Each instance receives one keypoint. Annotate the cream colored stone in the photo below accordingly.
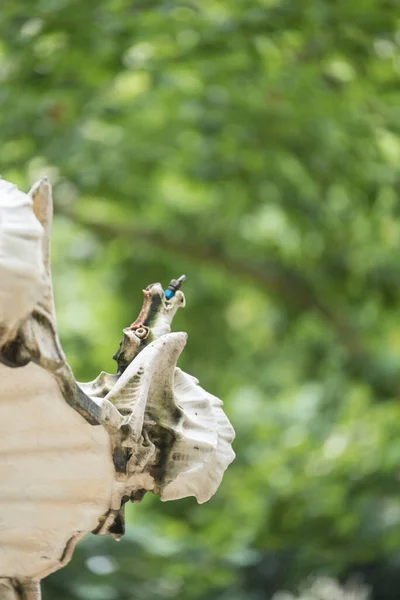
(72, 454)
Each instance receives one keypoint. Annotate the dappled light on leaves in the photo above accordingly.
(253, 145)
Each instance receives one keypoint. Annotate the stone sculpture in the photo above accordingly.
(72, 454)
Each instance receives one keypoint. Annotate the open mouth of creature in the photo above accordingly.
(154, 320)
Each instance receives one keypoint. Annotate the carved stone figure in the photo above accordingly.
(72, 454)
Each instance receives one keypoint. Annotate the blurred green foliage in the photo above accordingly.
(255, 146)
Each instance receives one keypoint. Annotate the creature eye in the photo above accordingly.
(142, 332)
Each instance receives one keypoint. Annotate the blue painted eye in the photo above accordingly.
(169, 294)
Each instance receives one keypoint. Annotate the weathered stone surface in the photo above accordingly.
(71, 455)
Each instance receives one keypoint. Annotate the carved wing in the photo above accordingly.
(203, 448)
(190, 435)
(21, 266)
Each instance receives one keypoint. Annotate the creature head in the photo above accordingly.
(154, 320)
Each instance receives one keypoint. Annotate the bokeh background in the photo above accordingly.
(253, 145)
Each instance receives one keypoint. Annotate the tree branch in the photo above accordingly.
(272, 277)
(290, 286)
